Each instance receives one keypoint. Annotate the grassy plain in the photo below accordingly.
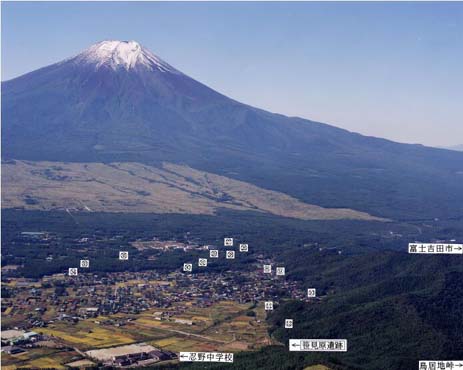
(135, 187)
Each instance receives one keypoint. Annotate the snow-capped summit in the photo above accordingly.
(122, 54)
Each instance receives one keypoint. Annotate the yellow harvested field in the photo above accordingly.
(9, 367)
(223, 326)
(240, 324)
(179, 344)
(8, 311)
(130, 283)
(160, 282)
(98, 337)
(167, 341)
(149, 322)
(44, 363)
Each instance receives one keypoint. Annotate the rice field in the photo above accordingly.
(221, 327)
(45, 363)
(87, 335)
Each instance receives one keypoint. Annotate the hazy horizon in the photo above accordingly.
(387, 70)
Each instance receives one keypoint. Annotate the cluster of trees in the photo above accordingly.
(393, 308)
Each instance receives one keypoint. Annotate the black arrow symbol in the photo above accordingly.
(296, 345)
(183, 356)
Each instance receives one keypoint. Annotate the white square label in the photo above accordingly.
(280, 271)
(318, 345)
(288, 323)
(124, 256)
(187, 267)
(311, 292)
(202, 262)
(268, 306)
(72, 271)
(244, 247)
(267, 269)
(230, 255)
(228, 242)
(214, 253)
(84, 263)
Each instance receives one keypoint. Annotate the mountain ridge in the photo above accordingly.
(71, 112)
(458, 148)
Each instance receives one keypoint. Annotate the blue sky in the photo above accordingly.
(392, 70)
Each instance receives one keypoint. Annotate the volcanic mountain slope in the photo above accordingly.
(456, 147)
(135, 187)
(118, 102)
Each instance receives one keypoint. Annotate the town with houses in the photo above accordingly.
(155, 315)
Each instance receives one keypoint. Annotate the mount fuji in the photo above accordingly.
(117, 102)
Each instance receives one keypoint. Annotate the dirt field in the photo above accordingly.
(107, 353)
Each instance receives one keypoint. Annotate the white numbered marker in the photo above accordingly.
(202, 262)
(214, 253)
(280, 271)
(288, 323)
(187, 267)
(311, 292)
(124, 256)
(268, 306)
(267, 269)
(72, 271)
(230, 255)
(244, 247)
(84, 264)
(228, 242)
